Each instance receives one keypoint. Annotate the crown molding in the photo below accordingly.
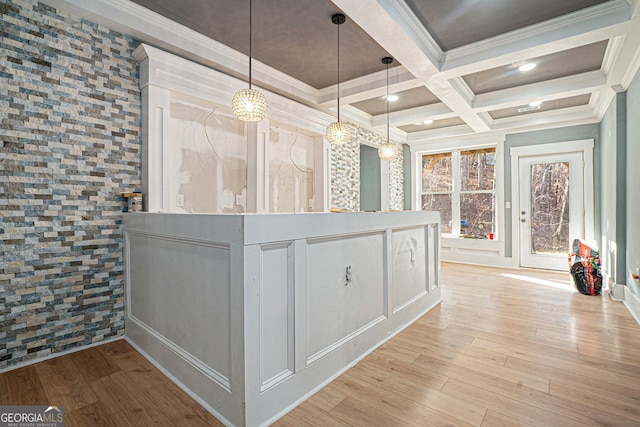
(411, 25)
(565, 116)
(428, 135)
(370, 86)
(562, 87)
(174, 73)
(458, 141)
(132, 19)
(518, 44)
(409, 116)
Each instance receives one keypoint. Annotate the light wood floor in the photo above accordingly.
(505, 348)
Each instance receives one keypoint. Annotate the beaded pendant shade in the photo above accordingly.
(338, 133)
(249, 105)
(388, 150)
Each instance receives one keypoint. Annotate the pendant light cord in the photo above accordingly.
(338, 71)
(250, 38)
(388, 121)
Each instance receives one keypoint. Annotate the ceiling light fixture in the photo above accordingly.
(391, 98)
(338, 133)
(535, 104)
(527, 66)
(249, 105)
(388, 150)
(427, 122)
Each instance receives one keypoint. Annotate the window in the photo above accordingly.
(461, 185)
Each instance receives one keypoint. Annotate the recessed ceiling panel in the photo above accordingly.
(437, 124)
(455, 23)
(560, 64)
(556, 104)
(411, 98)
(296, 37)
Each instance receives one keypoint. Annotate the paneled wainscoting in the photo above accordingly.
(506, 347)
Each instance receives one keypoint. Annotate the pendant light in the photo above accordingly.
(388, 150)
(338, 133)
(249, 105)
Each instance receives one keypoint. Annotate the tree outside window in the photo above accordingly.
(460, 184)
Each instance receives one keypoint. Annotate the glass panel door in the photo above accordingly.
(551, 209)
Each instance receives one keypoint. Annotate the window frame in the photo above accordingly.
(456, 190)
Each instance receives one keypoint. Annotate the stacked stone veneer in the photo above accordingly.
(69, 145)
(345, 172)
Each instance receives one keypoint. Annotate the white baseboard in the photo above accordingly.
(616, 292)
(632, 302)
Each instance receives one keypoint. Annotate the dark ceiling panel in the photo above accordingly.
(296, 37)
(411, 98)
(556, 104)
(553, 66)
(455, 23)
(437, 124)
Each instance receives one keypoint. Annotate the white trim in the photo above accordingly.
(400, 12)
(369, 86)
(150, 27)
(632, 302)
(548, 90)
(538, 39)
(585, 146)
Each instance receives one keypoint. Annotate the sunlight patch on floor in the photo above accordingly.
(565, 286)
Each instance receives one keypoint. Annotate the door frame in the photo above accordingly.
(576, 209)
(584, 147)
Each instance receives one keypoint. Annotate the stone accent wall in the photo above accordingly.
(345, 172)
(69, 145)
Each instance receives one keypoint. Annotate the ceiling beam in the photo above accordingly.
(392, 25)
(410, 116)
(579, 28)
(563, 87)
(368, 87)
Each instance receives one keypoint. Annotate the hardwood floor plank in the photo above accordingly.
(558, 361)
(93, 364)
(159, 389)
(424, 396)
(489, 356)
(117, 391)
(495, 419)
(399, 353)
(22, 387)
(518, 410)
(64, 384)
(630, 394)
(366, 414)
(94, 414)
(327, 398)
(461, 369)
(309, 415)
(581, 396)
(115, 348)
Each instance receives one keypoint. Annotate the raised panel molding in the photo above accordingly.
(277, 303)
(208, 302)
(340, 309)
(410, 257)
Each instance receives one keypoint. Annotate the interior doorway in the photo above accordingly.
(370, 179)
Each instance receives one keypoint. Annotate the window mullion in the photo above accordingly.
(455, 198)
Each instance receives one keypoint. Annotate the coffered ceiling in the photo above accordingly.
(456, 68)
